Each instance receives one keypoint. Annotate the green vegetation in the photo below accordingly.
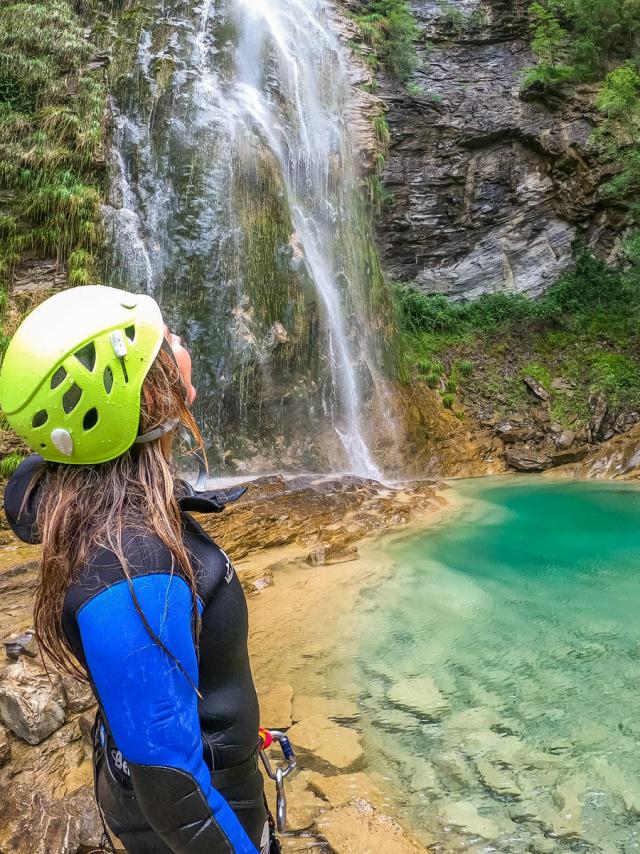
(9, 464)
(578, 40)
(52, 169)
(585, 332)
(596, 40)
(389, 29)
(378, 194)
(51, 131)
(459, 21)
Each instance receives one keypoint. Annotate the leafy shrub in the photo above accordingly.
(448, 400)
(50, 141)
(389, 27)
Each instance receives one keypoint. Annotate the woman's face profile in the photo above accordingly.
(183, 360)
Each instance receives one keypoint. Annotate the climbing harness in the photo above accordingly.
(281, 772)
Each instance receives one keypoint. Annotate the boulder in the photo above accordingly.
(32, 704)
(565, 440)
(525, 460)
(79, 694)
(537, 388)
(21, 644)
(512, 435)
(571, 456)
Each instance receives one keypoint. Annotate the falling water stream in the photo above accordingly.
(236, 203)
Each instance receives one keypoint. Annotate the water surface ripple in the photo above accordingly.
(498, 671)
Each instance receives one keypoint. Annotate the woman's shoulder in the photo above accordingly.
(138, 554)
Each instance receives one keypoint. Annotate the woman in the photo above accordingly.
(133, 594)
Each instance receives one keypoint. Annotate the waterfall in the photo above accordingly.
(236, 203)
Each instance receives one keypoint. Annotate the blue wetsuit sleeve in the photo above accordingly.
(152, 711)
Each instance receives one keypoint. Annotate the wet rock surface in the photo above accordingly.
(617, 459)
(33, 822)
(355, 827)
(489, 188)
(323, 515)
(32, 704)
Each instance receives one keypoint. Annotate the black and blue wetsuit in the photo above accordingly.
(179, 773)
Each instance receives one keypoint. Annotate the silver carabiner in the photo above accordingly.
(280, 774)
(281, 802)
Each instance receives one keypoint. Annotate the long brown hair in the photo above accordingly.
(83, 508)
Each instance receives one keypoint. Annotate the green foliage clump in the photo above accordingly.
(618, 135)
(578, 40)
(390, 30)
(9, 463)
(457, 20)
(448, 400)
(51, 131)
(586, 329)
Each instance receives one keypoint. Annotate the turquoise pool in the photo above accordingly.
(498, 670)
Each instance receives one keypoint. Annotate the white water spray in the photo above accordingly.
(280, 91)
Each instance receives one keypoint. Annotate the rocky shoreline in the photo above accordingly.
(300, 530)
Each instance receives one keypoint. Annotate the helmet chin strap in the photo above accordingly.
(154, 434)
(203, 471)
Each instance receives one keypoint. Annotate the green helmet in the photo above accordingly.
(72, 375)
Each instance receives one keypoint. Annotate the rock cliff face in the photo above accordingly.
(490, 189)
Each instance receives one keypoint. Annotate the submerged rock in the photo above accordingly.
(357, 828)
(337, 745)
(464, 815)
(568, 822)
(497, 780)
(275, 704)
(623, 785)
(421, 695)
(306, 705)
(340, 789)
(424, 778)
(32, 704)
(303, 804)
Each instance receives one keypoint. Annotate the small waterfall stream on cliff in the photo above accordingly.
(236, 203)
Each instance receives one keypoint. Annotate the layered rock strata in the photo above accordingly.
(489, 188)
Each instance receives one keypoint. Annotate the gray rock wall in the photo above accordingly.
(489, 190)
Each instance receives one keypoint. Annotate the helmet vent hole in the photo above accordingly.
(90, 419)
(59, 377)
(87, 356)
(107, 379)
(71, 398)
(130, 332)
(40, 418)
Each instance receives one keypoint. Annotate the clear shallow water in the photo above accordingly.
(524, 611)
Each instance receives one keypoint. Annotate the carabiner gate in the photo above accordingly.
(267, 737)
